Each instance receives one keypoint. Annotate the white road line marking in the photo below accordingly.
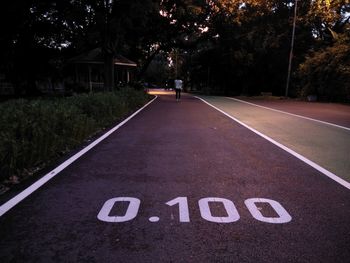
(35, 186)
(292, 114)
(297, 155)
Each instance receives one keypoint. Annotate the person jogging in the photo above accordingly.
(178, 88)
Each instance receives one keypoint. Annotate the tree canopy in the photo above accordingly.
(226, 47)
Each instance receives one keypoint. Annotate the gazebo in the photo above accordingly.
(88, 69)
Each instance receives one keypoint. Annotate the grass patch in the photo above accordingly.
(36, 132)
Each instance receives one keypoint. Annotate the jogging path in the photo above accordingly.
(317, 134)
(182, 182)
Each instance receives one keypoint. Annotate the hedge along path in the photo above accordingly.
(34, 132)
(21, 196)
(325, 145)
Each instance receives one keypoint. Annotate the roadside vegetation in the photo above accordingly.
(222, 47)
(36, 132)
(326, 73)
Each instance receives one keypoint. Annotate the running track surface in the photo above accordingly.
(324, 143)
(181, 149)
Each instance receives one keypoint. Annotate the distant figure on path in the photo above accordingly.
(178, 88)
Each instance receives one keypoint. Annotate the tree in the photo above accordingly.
(158, 71)
(327, 18)
(126, 25)
(175, 24)
(25, 43)
(250, 40)
(230, 46)
(326, 72)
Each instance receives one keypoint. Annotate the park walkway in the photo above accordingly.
(181, 182)
(321, 142)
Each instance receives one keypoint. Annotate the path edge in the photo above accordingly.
(285, 148)
(36, 185)
(289, 113)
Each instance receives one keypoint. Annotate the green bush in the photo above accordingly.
(34, 132)
(327, 73)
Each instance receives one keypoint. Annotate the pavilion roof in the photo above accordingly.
(95, 56)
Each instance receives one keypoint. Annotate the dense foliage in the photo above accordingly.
(326, 73)
(218, 46)
(33, 132)
(248, 47)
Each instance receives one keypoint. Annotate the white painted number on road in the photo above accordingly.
(130, 213)
(232, 213)
(283, 216)
(231, 216)
(184, 213)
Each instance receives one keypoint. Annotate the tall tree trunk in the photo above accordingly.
(109, 71)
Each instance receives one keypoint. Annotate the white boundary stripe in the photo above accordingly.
(25, 193)
(292, 114)
(297, 155)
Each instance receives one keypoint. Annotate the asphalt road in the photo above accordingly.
(181, 182)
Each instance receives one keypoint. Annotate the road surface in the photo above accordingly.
(181, 182)
(310, 134)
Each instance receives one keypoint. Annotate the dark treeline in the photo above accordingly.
(227, 47)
